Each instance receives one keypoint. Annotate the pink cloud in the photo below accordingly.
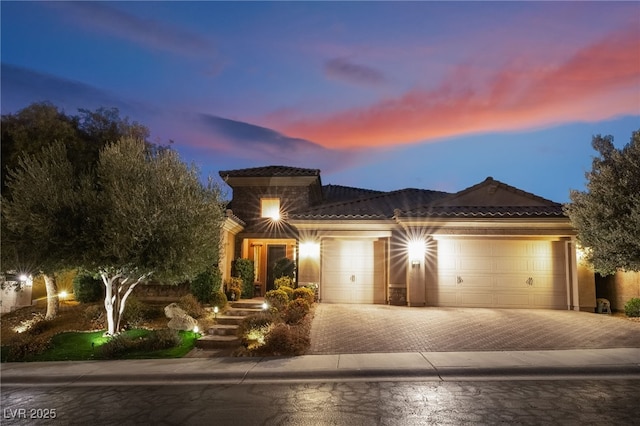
(598, 82)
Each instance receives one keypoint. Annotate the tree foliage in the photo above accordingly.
(43, 220)
(607, 215)
(33, 142)
(151, 216)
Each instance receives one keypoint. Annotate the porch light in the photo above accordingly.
(309, 249)
(416, 250)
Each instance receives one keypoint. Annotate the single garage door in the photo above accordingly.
(500, 274)
(350, 273)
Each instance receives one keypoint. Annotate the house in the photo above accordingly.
(490, 245)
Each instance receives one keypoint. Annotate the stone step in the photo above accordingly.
(247, 303)
(214, 342)
(223, 330)
(229, 320)
(242, 312)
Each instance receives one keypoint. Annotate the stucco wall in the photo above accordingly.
(618, 288)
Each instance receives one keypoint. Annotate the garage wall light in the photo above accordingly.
(309, 249)
(416, 250)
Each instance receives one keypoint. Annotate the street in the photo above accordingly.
(316, 403)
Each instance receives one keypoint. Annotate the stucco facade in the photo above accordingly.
(489, 245)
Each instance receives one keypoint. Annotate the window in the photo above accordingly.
(270, 208)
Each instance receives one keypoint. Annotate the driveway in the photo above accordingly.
(340, 329)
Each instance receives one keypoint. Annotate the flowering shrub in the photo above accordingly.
(304, 293)
(287, 290)
(277, 299)
(296, 311)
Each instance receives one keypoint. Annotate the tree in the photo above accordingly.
(607, 215)
(37, 127)
(43, 219)
(150, 216)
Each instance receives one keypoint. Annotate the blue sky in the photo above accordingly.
(383, 95)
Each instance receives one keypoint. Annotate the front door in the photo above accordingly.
(274, 254)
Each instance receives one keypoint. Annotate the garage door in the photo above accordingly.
(349, 272)
(500, 274)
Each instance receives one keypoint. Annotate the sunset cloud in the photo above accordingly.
(598, 82)
(343, 69)
(98, 16)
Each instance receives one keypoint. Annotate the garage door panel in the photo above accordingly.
(499, 273)
(513, 300)
(475, 299)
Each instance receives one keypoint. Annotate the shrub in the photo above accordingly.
(135, 312)
(87, 289)
(161, 339)
(287, 290)
(233, 288)
(277, 299)
(282, 282)
(95, 315)
(191, 306)
(632, 307)
(285, 340)
(115, 347)
(219, 299)
(244, 270)
(206, 284)
(254, 328)
(25, 345)
(304, 293)
(296, 311)
(284, 268)
(39, 326)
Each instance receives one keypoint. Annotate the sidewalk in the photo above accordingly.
(423, 366)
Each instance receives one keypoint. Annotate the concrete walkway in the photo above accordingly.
(430, 366)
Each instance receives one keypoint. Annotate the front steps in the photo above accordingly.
(225, 333)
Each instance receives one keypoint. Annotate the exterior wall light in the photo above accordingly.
(416, 250)
(309, 249)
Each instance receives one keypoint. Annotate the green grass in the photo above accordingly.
(81, 346)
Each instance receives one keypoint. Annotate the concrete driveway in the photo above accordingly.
(343, 329)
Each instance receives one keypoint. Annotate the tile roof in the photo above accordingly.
(377, 206)
(490, 198)
(270, 171)
(485, 211)
(335, 193)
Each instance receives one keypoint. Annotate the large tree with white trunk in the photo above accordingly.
(28, 139)
(43, 219)
(150, 217)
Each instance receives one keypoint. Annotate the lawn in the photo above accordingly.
(72, 336)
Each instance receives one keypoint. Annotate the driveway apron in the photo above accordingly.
(342, 328)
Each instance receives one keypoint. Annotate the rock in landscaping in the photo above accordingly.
(179, 319)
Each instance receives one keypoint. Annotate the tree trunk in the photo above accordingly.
(108, 303)
(53, 303)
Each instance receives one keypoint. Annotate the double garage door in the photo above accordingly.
(499, 274)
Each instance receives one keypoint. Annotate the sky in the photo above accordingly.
(377, 95)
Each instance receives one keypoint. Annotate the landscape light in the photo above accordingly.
(265, 306)
(215, 312)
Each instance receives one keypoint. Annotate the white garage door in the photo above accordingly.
(348, 272)
(500, 274)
